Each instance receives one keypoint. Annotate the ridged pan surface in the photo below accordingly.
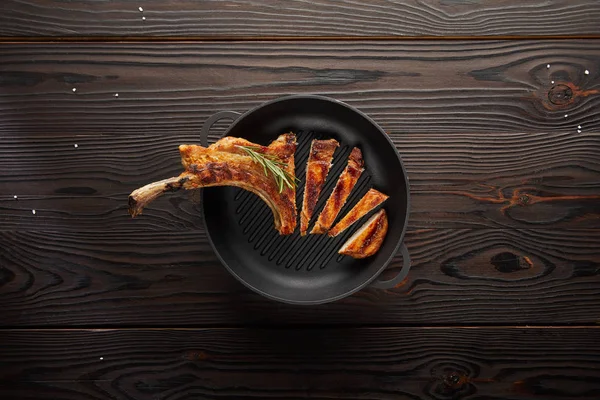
(306, 269)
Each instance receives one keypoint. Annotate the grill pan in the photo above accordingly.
(307, 270)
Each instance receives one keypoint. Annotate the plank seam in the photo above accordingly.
(293, 326)
(159, 39)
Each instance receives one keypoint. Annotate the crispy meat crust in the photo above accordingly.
(369, 201)
(342, 190)
(368, 238)
(225, 164)
(317, 168)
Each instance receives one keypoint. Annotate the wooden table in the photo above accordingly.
(494, 106)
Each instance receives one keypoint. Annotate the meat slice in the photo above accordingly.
(226, 163)
(369, 201)
(342, 190)
(367, 240)
(317, 168)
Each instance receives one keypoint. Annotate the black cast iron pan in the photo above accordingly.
(307, 270)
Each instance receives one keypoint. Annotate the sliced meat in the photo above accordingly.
(226, 163)
(342, 190)
(317, 168)
(369, 201)
(367, 240)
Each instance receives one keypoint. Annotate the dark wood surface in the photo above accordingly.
(502, 299)
(388, 363)
(503, 180)
(296, 18)
(458, 277)
(430, 87)
(484, 146)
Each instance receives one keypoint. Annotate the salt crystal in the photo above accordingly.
(566, 115)
(578, 130)
(143, 18)
(586, 72)
(548, 66)
(102, 358)
(33, 212)
(74, 89)
(116, 94)
(75, 145)
(15, 196)
(141, 9)
(552, 82)
(578, 126)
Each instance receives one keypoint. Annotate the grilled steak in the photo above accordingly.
(225, 163)
(342, 190)
(367, 240)
(369, 201)
(317, 168)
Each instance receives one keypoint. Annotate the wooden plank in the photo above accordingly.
(276, 18)
(536, 181)
(406, 363)
(464, 276)
(417, 87)
(455, 110)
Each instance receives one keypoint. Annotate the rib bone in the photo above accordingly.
(224, 163)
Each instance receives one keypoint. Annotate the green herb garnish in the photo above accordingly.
(273, 164)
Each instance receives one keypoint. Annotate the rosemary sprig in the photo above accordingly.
(273, 164)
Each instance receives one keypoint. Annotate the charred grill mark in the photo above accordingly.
(132, 203)
(220, 170)
(322, 150)
(368, 202)
(355, 160)
(317, 168)
(227, 173)
(175, 186)
(339, 194)
(313, 191)
(346, 182)
(370, 234)
(368, 238)
(207, 176)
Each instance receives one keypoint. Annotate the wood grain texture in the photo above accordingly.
(387, 363)
(150, 279)
(274, 18)
(418, 87)
(541, 180)
(456, 112)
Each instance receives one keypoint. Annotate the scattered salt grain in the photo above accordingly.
(141, 9)
(102, 358)
(143, 18)
(578, 130)
(116, 94)
(33, 212)
(566, 115)
(548, 66)
(552, 82)
(578, 126)
(75, 145)
(586, 72)
(15, 196)
(74, 89)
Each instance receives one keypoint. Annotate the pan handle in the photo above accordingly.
(398, 278)
(233, 115)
